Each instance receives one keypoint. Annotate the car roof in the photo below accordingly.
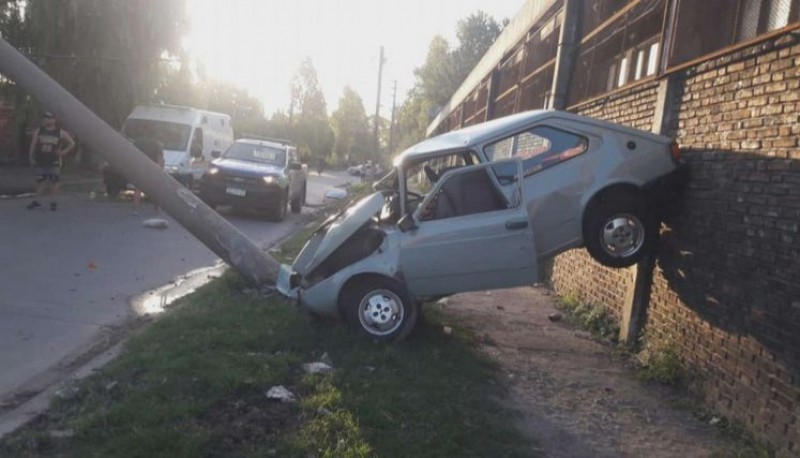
(479, 133)
(255, 141)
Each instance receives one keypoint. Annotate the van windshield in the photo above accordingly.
(257, 153)
(172, 135)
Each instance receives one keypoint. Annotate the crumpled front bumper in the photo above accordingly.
(286, 284)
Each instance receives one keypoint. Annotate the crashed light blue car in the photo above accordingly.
(480, 208)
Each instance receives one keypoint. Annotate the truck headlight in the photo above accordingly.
(270, 179)
(213, 171)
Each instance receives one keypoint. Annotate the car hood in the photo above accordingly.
(246, 168)
(334, 232)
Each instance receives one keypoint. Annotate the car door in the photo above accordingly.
(471, 232)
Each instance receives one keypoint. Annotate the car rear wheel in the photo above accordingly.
(379, 308)
(620, 231)
(279, 212)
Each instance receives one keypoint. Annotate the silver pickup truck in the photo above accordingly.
(480, 208)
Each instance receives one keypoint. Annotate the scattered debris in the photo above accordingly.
(326, 358)
(317, 368)
(714, 421)
(92, 265)
(369, 369)
(500, 307)
(323, 411)
(335, 194)
(447, 330)
(155, 223)
(443, 301)
(554, 317)
(280, 393)
(61, 433)
(67, 392)
(486, 339)
(582, 334)
(112, 385)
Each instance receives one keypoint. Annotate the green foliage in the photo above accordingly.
(593, 318)
(193, 384)
(441, 74)
(661, 363)
(308, 116)
(353, 142)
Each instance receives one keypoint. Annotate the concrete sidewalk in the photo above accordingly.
(16, 180)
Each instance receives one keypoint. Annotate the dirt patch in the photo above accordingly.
(575, 395)
(247, 423)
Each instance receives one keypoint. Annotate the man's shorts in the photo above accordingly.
(48, 173)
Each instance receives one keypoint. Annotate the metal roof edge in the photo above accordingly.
(527, 16)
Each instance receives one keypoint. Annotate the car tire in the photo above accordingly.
(619, 231)
(279, 212)
(297, 203)
(380, 309)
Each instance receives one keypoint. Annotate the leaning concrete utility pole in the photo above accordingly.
(376, 127)
(180, 203)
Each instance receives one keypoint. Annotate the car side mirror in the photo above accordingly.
(295, 166)
(216, 154)
(407, 223)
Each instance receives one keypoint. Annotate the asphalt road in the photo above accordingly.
(67, 277)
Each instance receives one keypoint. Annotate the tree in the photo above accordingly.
(310, 126)
(475, 33)
(443, 71)
(108, 53)
(352, 139)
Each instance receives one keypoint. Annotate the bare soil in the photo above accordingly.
(577, 397)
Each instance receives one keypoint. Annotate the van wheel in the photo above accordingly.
(379, 308)
(279, 213)
(620, 232)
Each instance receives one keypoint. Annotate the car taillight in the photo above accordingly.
(675, 151)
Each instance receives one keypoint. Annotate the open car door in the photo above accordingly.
(472, 232)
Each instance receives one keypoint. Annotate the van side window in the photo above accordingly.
(539, 148)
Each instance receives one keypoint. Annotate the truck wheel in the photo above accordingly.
(279, 213)
(380, 308)
(619, 232)
(297, 203)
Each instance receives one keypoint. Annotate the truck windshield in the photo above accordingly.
(262, 154)
(173, 136)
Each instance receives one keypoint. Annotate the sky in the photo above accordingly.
(259, 44)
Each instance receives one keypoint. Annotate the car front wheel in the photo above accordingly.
(380, 308)
(279, 212)
(619, 232)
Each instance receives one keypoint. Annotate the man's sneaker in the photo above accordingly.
(53, 206)
(32, 205)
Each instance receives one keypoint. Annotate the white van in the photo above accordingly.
(191, 137)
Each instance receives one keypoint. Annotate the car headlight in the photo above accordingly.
(213, 171)
(269, 179)
(172, 168)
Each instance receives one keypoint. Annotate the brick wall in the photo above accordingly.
(575, 272)
(727, 282)
(726, 287)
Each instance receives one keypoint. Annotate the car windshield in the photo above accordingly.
(174, 136)
(262, 154)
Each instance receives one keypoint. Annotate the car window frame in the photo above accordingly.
(586, 141)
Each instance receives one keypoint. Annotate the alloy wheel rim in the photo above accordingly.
(622, 235)
(381, 312)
